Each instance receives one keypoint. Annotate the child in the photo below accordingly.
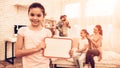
(30, 44)
(79, 50)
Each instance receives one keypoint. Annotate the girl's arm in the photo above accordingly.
(97, 43)
(19, 52)
(84, 48)
(74, 46)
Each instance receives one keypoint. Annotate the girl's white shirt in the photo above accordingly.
(31, 40)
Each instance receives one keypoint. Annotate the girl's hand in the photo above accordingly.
(71, 53)
(41, 46)
(78, 51)
(88, 37)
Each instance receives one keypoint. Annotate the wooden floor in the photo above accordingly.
(17, 64)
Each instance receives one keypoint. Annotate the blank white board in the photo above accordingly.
(57, 47)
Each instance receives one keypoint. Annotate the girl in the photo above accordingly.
(30, 44)
(96, 44)
(79, 50)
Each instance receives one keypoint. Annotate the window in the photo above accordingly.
(72, 10)
(100, 7)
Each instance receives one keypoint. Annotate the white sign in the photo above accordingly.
(57, 47)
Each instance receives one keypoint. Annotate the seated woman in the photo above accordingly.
(79, 48)
(96, 44)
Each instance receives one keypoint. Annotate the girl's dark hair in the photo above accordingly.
(37, 5)
(85, 31)
(61, 16)
(99, 29)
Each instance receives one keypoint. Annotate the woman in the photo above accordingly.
(30, 44)
(95, 48)
(79, 50)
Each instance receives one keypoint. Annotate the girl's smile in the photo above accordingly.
(36, 16)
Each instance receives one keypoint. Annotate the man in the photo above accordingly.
(63, 26)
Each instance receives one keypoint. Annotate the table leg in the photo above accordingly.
(11, 59)
(5, 50)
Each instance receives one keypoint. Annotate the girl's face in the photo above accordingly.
(96, 30)
(36, 16)
(82, 34)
